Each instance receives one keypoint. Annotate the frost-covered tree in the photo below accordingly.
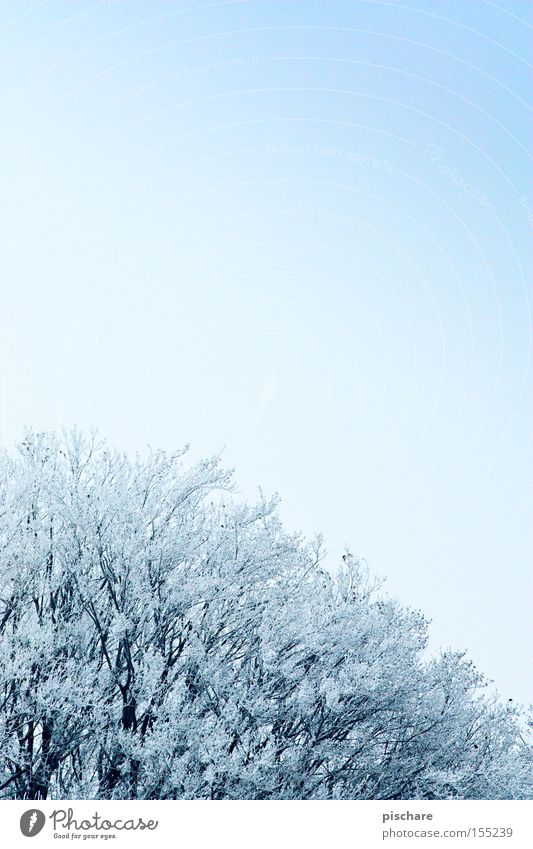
(160, 641)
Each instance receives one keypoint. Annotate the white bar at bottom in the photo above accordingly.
(250, 824)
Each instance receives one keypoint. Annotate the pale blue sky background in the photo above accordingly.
(300, 230)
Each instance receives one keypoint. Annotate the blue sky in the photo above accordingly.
(299, 231)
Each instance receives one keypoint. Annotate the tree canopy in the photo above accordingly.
(160, 640)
